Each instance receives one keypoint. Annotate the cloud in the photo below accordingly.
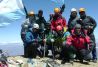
(1, 26)
(4, 24)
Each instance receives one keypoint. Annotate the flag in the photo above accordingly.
(58, 1)
(11, 11)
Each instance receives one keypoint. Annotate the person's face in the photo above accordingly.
(77, 31)
(82, 14)
(35, 30)
(40, 14)
(31, 16)
(74, 14)
(57, 14)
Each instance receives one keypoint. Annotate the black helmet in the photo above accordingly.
(40, 11)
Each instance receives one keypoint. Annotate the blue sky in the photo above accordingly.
(11, 33)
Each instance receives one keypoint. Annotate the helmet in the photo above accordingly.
(59, 28)
(82, 10)
(77, 26)
(73, 9)
(40, 11)
(56, 10)
(36, 26)
(31, 13)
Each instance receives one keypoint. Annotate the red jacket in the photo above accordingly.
(60, 21)
(3, 65)
(78, 41)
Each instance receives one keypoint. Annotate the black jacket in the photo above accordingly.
(88, 21)
(71, 23)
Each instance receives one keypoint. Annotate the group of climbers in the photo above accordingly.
(57, 39)
(88, 25)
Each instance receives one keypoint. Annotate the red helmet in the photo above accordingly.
(59, 28)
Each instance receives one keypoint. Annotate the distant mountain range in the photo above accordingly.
(13, 49)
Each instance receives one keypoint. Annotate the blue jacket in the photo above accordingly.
(66, 34)
(31, 36)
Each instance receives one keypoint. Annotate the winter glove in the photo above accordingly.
(62, 8)
(52, 40)
(51, 16)
(90, 27)
(34, 40)
(44, 40)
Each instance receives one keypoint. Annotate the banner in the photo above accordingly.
(60, 2)
(10, 11)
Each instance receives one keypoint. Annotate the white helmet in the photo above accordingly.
(73, 9)
(35, 26)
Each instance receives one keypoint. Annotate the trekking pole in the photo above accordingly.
(44, 43)
(52, 40)
(44, 48)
